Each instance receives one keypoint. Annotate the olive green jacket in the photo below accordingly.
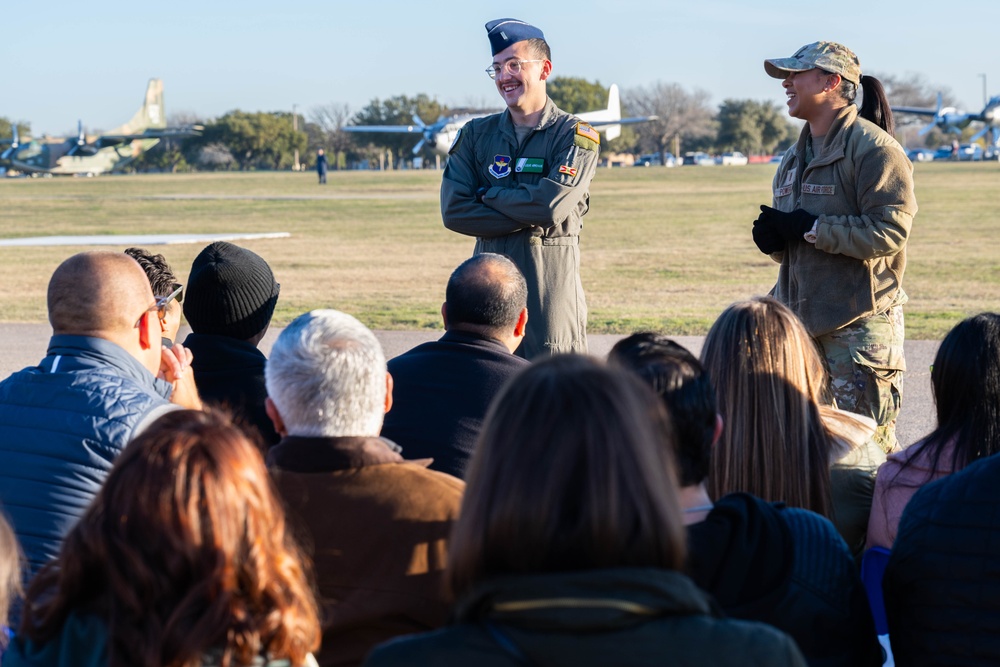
(860, 185)
(532, 211)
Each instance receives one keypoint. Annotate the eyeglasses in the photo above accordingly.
(161, 303)
(512, 66)
(178, 294)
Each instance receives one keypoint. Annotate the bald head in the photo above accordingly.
(98, 294)
(486, 291)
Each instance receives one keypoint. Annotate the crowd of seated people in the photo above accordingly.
(653, 508)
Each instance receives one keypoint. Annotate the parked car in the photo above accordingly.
(967, 152)
(921, 154)
(943, 153)
(698, 158)
(735, 158)
(653, 160)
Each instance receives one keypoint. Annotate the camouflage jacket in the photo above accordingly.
(860, 185)
(541, 188)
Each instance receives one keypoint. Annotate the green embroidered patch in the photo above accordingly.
(530, 165)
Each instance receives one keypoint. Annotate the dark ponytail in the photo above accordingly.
(875, 105)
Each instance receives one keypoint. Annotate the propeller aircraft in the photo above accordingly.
(441, 134)
(85, 155)
(950, 119)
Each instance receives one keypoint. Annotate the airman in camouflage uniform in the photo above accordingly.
(841, 214)
(519, 182)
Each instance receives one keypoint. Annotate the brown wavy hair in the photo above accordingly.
(10, 574)
(573, 470)
(184, 553)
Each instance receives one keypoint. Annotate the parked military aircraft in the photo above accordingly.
(91, 155)
(952, 120)
(441, 134)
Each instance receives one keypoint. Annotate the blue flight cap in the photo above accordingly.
(504, 32)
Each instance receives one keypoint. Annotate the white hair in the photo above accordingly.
(327, 376)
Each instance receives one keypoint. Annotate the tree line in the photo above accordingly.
(686, 121)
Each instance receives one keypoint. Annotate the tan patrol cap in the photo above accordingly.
(829, 56)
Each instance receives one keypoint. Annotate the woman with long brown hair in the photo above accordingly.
(782, 441)
(570, 541)
(182, 560)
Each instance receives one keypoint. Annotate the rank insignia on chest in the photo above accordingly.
(529, 165)
(500, 167)
(563, 169)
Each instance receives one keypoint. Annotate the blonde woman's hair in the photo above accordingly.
(770, 382)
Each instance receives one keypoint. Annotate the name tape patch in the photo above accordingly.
(816, 189)
(783, 191)
(530, 165)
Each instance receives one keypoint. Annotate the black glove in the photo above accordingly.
(791, 226)
(766, 237)
(480, 192)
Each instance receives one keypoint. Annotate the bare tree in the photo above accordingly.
(684, 118)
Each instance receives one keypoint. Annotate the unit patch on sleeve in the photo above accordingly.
(563, 169)
(454, 143)
(530, 165)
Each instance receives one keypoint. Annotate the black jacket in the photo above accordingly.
(623, 617)
(942, 584)
(789, 568)
(230, 373)
(440, 393)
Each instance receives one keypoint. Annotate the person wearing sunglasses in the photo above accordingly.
(105, 377)
(168, 292)
(519, 181)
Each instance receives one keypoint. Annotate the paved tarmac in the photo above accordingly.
(24, 345)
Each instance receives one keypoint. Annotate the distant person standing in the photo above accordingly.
(838, 223)
(321, 166)
(519, 181)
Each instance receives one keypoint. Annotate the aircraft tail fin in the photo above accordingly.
(604, 119)
(152, 114)
(15, 143)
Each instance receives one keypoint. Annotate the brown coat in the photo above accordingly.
(377, 529)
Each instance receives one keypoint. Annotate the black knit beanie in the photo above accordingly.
(231, 292)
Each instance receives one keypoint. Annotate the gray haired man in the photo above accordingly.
(379, 525)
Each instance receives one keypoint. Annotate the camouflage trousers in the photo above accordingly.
(866, 365)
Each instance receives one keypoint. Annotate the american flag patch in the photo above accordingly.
(585, 130)
(563, 169)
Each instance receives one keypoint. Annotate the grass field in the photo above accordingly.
(661, 248)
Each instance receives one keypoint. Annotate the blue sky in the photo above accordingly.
(91, 60)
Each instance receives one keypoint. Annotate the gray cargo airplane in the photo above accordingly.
(441, 134)
(84, 155)
(952, 120)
